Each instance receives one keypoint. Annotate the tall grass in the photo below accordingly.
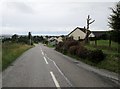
(10, 51)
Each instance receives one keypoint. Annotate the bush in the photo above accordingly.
(64, 46)
(69, 43)
(72, 50)
(45, 41)
(82, 52)
(96, 56)
(59, 46)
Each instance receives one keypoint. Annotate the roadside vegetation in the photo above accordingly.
(11, 51)
(50, 46)
(112, 60)
(100, 56)
(13, 47)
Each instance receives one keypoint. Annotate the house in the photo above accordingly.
(59, 39)
(91, 34)
(44, 37)
(80, 33)
(52, 41)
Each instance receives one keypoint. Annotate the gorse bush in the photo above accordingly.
(59, 46)
(82, 52)
(70, 43)
(75, 48)
(96, 56)
(64, 46)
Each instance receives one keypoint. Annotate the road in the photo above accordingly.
(44, 67)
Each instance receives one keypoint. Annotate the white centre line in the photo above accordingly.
(55, 80)
(46, 60)
(61, 72)
(42, 52)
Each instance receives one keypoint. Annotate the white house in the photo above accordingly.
(80, 33)
(91, 35)
(59, 39)
(52, 41)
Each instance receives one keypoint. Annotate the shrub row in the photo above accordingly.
(75, 48)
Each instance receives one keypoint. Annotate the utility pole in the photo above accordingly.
(88, 25)
(89, 21)
(29, 37)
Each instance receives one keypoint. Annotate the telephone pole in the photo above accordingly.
(88, 25)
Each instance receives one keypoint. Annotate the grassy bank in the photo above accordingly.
(112, 55)
(10, 51)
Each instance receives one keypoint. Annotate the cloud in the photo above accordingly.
(19, 7)
(48, 17)
(40, 30)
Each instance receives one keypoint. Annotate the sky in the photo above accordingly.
(52, 17)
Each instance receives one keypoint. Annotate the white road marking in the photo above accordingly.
(61, 72)
(46, 60)
(42, 52)
(55, 80)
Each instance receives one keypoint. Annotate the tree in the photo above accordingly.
(114, 23)
(23, 39)
(37, 39)
(15, 38)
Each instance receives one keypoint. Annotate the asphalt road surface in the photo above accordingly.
(44, 67)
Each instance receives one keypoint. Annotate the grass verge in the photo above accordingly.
(11, 51)
(111, 62)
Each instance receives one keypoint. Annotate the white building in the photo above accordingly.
(59, 39)
(79, 33)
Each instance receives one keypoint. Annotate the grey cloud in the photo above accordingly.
(20, 6)
(58, 15)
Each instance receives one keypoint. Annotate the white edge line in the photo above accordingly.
(46, 60)
(61, 72)
(55, 80)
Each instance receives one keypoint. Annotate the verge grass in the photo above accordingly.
(11, 51)
(112, 60)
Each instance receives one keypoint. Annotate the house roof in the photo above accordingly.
(82, 29)
(99, 33)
